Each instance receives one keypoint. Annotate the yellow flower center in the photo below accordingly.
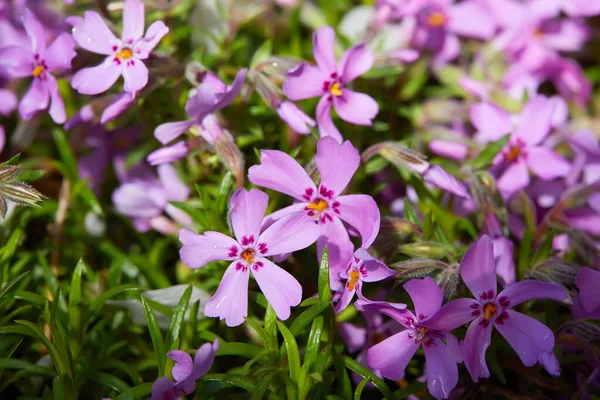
(513, 153)
(37, 71)
(125, 53)
(248, 255)
(354, 275)
(488, 310)
(318, 206)
(335, 90)
(436, 19)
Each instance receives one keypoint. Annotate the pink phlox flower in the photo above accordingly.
(329, 80)
(336, 163)
(532, 340)
(124, 56)
(39, 62)
(248, 252)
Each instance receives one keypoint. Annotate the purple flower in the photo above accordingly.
(524, 151)
(248, 252)
(392, 355)
(185, 371)
(532, 340)
(363, 268)
(440, 22)
(295, 118)
(328, 80)
(125, 55)
(144, 198)
(39, 63)
(168, 154)
(588, 282)
(336, 164)
(211, 96)
(8, 102)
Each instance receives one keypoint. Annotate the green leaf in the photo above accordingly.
(238, 349)
(307, 317)
(484, 159)
(324, 289)
(156, 335)
(99, 302)
(292, 351)
(524, 260)
(10, 286)
(409, 212)
(63, 388)
(360, 388)
(314, 341)
(367, 373)
(75, 296)
(261, 54)
(239, 381)
(343, 378)
(177, 318)
(11, 363)
(108, 380)
(66, 155)
(137, 392)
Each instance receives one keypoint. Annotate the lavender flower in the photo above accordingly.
(293, 232)
(532, 340)
(185, 371)
(39, 63)
(125, 55)
(587, 282)
(392, 355)
(328, 80)
(336, 164)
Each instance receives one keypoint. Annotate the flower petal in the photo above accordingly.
(514, 178)
(441, 369)
(472, 20)
(290, 233)
(156, 31)
(347, 296)
(527, 336)
(139, 199)
(547, 164)
(324, 120)
(478, 269)
(204, 359)
(36, 32)
(323, 42)
(16, 62)
(304, 82)
(117, 106)
(392, 355)
(535, 121)
(57, 105)
(93, 34)
(160, 387)
(355, 62)
(60, 53)
(374, 269)
(354, 336)
(230, 302)
(8, 102)
(280, 288)
(279, 171)
(362, 213)
(171, 130)
(440, 178)
(529, 289)
(295, 118)
(168, 154)
(474, 347)
(183, 364)
(175, 188)
(339, 246)
(133, 20)
(97, 79)
(199, 250)
(588, 282)
(36, 99)
(426, 296)
(247, 210)
(336, 163)
(356, 108)
(452, 315)
(135, 75)
(491, 121)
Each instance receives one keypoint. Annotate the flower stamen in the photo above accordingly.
(37, 71)
(335, 89)
(124, 54)
(354, 275)
(318, 205)
(248, 255)
(488, 310)
(513, 153)
(437, 19)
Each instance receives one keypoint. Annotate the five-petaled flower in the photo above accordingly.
(391, 356)
(336, 164)
(532, 340)
(293, 232)
(362, 268)
(39, 63)
(125, 55)
(185, 371)
(329, 81)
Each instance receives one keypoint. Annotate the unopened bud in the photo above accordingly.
(417, 268)
(394, 232)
